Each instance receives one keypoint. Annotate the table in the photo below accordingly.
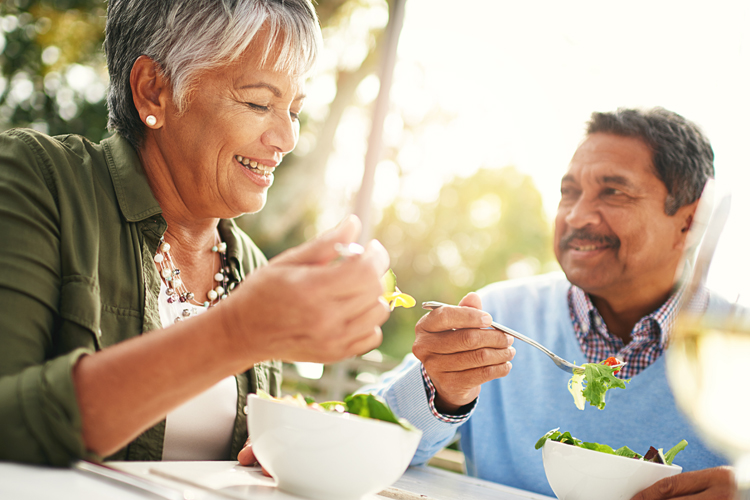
(30, 482)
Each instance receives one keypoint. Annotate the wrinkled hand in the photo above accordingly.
(459, 353)
(709, 484)
(247, 457)
(308, 306)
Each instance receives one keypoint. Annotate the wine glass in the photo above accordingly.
(708, 362)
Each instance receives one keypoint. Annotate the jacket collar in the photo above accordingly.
(134, 195)
(137, 201)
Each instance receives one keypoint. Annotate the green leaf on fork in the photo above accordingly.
(598, 378)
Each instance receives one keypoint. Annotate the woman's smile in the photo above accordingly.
(256, 171)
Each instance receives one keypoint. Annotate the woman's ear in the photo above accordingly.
(149, 88)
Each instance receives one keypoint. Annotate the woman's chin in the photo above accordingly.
(236, 207)
(254, 206)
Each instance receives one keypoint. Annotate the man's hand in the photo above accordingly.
(459, 353)
(709, 484)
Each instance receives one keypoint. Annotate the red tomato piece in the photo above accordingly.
(612, 361)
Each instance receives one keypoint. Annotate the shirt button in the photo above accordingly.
(244, 410)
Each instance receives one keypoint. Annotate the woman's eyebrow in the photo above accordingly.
(272, 88)
(261, 85)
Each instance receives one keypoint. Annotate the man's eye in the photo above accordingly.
(567, 192)
(295, 116)
(612, 192)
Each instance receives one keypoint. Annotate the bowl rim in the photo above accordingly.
(332, 414)
(555, 443)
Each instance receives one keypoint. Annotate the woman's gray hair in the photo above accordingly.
(187, 37)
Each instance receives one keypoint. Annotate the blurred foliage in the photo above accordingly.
(53, 70)
(54, 74)
(484, 228)
(481, 229)
(352, 33)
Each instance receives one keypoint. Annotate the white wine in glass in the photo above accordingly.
(708, 360)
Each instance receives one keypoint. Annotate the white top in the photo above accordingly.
(200, 429)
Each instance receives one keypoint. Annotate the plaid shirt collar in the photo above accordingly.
(654, 326)
(649, 337)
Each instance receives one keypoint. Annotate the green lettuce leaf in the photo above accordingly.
(592, 384)
(372, 406)
(337, 406)
(603, 448)
(599, 379)
(553, 435)
(566, 438)
(669, 456)
(363, 405)
(627, 452)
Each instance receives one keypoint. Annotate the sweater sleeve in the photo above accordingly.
(39, 416)
(404, 390)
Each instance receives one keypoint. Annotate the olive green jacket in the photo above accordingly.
(79, 226)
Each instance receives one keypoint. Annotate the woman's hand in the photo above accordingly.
(307, 306)
(247, 457)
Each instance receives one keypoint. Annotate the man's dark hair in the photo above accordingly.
(681, 155)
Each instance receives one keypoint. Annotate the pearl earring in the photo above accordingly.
(150, 120)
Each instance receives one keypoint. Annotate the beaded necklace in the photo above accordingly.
(177, 293)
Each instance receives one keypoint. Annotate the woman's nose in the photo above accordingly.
(283, 134)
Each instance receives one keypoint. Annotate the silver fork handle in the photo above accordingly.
(524, 338)
(560, 362)
(432, 305)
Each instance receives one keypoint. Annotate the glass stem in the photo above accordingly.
(742, 474)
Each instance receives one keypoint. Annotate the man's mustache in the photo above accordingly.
(586, 235)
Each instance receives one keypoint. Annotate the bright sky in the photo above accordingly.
(521, 79)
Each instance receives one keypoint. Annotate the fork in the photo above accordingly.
(560, 362)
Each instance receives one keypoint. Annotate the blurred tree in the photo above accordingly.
(484, 228)
(353, 31)
(53, 70)
(54, 79)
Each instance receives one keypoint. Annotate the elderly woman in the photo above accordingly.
(134, 315)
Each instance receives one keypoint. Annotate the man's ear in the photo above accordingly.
(685, 216)
(688, 224)
(150, 90)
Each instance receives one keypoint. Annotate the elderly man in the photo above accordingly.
(627, 202)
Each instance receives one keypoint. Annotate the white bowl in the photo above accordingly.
(326, 455)
(579, 474)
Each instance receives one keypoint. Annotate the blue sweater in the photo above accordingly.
(514, 412)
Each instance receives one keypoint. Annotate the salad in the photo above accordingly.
(652, 455)
(363, 405)
(392, 294)
(598, 378)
